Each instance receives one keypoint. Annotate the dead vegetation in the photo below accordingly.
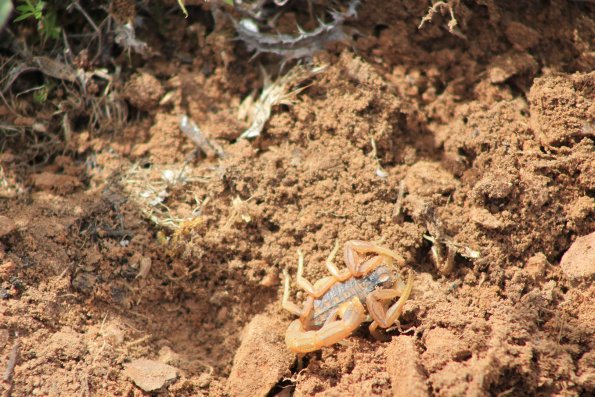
(158, 173)
(54, 85)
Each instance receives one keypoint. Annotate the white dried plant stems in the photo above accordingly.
(278, 92)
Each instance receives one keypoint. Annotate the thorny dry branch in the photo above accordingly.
(303, 45)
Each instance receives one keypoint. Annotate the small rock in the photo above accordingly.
(150, 375)
(579, 261)
(204, 380)
(404, 369)
(494, 185)
(262, 358)
(7, 225)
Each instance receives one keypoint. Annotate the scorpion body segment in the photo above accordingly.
(345, 291)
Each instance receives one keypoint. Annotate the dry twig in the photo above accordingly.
(195, 134)
(12, 362)
(443, 248)
(452, 23)
(398, 208)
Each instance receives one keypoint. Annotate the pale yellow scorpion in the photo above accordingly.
(335, 304)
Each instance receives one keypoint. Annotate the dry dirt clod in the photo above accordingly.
(58, 182)
(579, 261)
(150, 375)
(143, 91)
(485, 219)
(553, 125)
(7, 225)
(443, 346)
(262, 358)
(509, 65)
(4, 337)
(402, 364)
(7, 269)
(521, 36)
(536, 266)
(65, 344)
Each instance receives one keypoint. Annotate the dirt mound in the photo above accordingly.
(473, 134)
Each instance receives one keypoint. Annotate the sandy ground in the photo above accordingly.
(487, 130)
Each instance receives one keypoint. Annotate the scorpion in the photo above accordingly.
(334, 307)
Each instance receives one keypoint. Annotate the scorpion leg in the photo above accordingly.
(300, 340)
(304, 312)
(334, 270)
(319, 288)
(287, 305)
(382, 317)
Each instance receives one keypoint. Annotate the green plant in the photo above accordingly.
(30, 9)
(47, 24)
(41, 95)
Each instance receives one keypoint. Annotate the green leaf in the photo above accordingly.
(49, 26)
(23, 8)
(22, 17)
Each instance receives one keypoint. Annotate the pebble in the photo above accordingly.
(150, 375)
(578, 262)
